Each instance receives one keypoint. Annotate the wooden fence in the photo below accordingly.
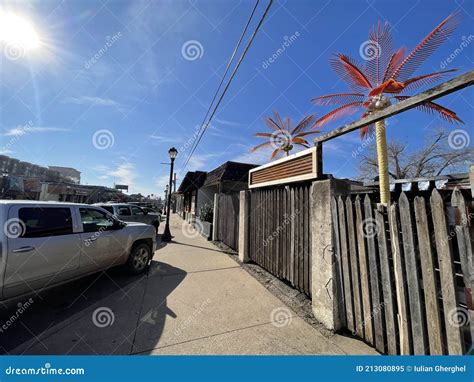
(228, 220)
(280, 233)
(404, 271)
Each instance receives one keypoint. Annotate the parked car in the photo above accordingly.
(44, 244)
(131, 213)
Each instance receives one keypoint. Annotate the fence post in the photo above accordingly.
(327, 295)
(244, 226)
(215, 218)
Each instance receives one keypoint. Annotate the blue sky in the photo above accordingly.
(110, 89)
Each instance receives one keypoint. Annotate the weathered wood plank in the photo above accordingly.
(306, 239)
(346, 266)
(374, 270)
(338, 259)
(418, 328)
(293, 238)
(400, 282)
(354, 262)
(463, 237)
(446, 269)
(388, 304)
(455, 84)
(364, 274)
(428, 274)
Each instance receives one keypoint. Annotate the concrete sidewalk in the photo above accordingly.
(194, 300)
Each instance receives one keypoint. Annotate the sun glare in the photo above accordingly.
(18, 31)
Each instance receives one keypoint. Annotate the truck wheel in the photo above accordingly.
(139, 259)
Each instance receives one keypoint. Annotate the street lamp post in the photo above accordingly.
(167, 234)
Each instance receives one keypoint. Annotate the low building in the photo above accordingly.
(198, 187)
(68, 173)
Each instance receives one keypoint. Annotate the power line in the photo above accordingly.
(227, 68)
(206, 125)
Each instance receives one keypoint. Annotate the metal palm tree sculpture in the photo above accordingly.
(386, 74)
(283, 138)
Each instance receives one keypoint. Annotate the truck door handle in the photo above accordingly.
(23, 249)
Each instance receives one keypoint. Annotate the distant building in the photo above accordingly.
(198, 188)
(68, 173)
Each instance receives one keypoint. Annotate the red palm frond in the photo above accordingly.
(303, 124)
(426, 47)
(380, 41)
(341, 111)
(275, 152)
(264, 135)
(349, 72)
(300, 141)
(279, 120)
(394, 63)
(271, 123)
(431, 107)
(425, 79)
(337, 99)
(260, 146)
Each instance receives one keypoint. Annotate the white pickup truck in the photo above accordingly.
(44, 244)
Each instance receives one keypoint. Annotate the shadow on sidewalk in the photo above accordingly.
(54, 308)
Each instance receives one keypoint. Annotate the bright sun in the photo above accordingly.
(17, 31)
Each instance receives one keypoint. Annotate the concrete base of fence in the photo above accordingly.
(215, 217)
(327, 300)
(244, 226)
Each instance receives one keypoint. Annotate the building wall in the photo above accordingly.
(205, 196)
